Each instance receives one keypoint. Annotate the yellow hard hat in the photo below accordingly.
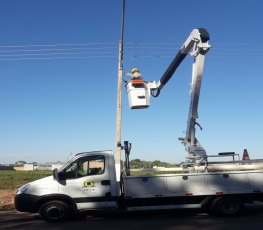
(135, 70)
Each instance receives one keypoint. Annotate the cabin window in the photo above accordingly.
(88, 166)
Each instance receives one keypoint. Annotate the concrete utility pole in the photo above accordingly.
(119, 101)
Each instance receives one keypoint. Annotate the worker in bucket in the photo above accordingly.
(135, 74)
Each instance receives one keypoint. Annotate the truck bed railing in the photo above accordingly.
(217, 166)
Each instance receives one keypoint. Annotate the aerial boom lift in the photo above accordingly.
(197, 46)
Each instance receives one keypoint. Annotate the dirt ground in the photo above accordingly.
(7, 199)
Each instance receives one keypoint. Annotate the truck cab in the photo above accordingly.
(86, 182)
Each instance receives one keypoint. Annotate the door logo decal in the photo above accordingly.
(88, 184)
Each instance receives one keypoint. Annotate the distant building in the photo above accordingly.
(44, 167)
(36, 166)
(6, 167)
(30, 167)
(19, 163)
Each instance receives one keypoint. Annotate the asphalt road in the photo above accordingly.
(180, 219)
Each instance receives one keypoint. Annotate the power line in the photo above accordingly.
(61, 44)
(132, 49)
(58, 49)
(42, 57)
(47, 54)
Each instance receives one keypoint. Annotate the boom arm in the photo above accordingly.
(197, 42)
(196, 45)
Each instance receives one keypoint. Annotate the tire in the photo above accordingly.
(54, 211)
(227, 206)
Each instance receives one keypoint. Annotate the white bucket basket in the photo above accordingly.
(138, 94)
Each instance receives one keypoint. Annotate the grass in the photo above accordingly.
(11, 180)
(14, 179)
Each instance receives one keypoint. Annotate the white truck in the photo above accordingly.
(88, 181)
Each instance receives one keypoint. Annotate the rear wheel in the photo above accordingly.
(54, 211)
(227, 206)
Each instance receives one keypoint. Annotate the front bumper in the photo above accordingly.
(26, 202)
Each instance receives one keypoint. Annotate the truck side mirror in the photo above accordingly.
(55, 174)
(58, 175)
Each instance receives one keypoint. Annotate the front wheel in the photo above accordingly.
(227, 206)
(54, 211)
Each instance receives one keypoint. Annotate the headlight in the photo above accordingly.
(23, 189)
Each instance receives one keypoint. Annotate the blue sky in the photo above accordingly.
(58, 77)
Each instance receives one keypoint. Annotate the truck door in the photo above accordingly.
(87, 181)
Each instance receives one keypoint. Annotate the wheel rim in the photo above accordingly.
(229, 207)
(54, 212)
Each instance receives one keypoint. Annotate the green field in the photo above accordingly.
(11, 180)
(14, 179)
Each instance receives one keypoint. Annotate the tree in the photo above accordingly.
(137, 163)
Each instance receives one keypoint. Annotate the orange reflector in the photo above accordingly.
(188, 194)
(137, 82)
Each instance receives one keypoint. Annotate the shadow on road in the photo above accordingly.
(178, 219)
